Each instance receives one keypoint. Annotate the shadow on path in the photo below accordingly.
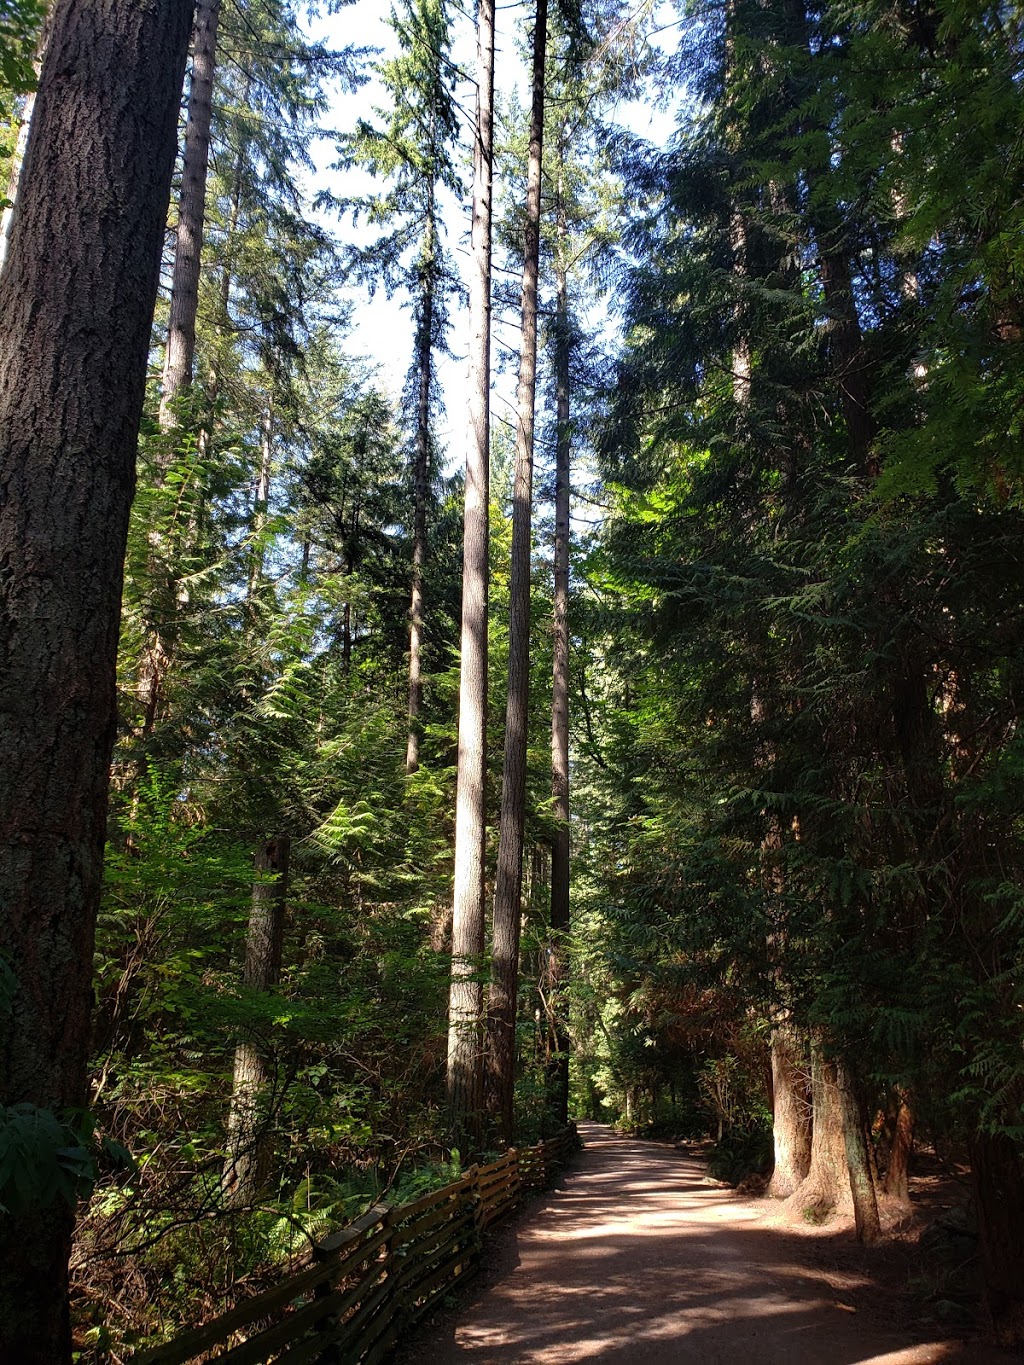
(637, 1257)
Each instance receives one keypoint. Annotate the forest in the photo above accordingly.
(626, 729)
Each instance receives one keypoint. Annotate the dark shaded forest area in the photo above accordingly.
(626, 731)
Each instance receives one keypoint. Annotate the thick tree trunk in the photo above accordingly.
(249, 1150)
(826, 1186)
(791, 1116)
(181, 330)
(465, 1009)
(897, 1183)
(421, 488)
(560, 844)
(859, 1166)
(997, 1167)
(508, 893)
(76, 303)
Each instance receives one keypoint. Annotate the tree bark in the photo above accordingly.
(847, 346)
(465, 1058)
(560, 844)
(261, 503)
(791, 1126)
(421, 484)
(76, 304)
(897, 1184)
(249, 1150)
(826, 1185)
(508, 893)
(997, 1169)
(181, 330)
(862, 1185)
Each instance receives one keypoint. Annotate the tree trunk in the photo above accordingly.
(846, 343)
(421, 486)
(897, 1184)
(508, 910)
(261, 502)
(742, 360)
(791, 1126)
(560, 844)
(862, 1185)
(826, 1185)
(76, 304)
(997, 1169)
(465, 1059)
(181, 330)
(249, 1149)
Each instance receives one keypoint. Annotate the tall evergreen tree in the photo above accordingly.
(465, 1010)
(413, 150)
(76, 301)
(508, 891)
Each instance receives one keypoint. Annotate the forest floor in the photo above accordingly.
(639, 1256)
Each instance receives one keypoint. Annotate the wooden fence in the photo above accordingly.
(367, 1284)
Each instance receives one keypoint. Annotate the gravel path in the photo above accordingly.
(638, 1257)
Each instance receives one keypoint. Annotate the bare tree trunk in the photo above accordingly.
(249, 1149)
(181, 331)
(791, 1127)
(261, 502)
(158, 655)
(465, 1009)
(862, 1184)
(76, 305)
(826, 1185)
(508, 910)
(897, 1184)
(421, 488)
(742, 360)
(560, 844)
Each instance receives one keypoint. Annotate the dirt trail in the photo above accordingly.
(637, 1257)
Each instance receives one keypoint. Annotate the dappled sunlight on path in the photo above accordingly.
(638, 1257)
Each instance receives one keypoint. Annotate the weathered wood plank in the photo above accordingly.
(297, 1324)
(428, 1244)
(400, 1213)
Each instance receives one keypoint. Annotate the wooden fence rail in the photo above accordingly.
(365, 1285)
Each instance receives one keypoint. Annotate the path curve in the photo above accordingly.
(637, 1257)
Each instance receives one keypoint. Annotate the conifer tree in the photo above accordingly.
(76, 299)
(465, 1044)
(413, 150)
(508, 890)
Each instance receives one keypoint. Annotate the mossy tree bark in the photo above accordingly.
(858, 1162)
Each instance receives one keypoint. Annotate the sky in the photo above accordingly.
(382, 327)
